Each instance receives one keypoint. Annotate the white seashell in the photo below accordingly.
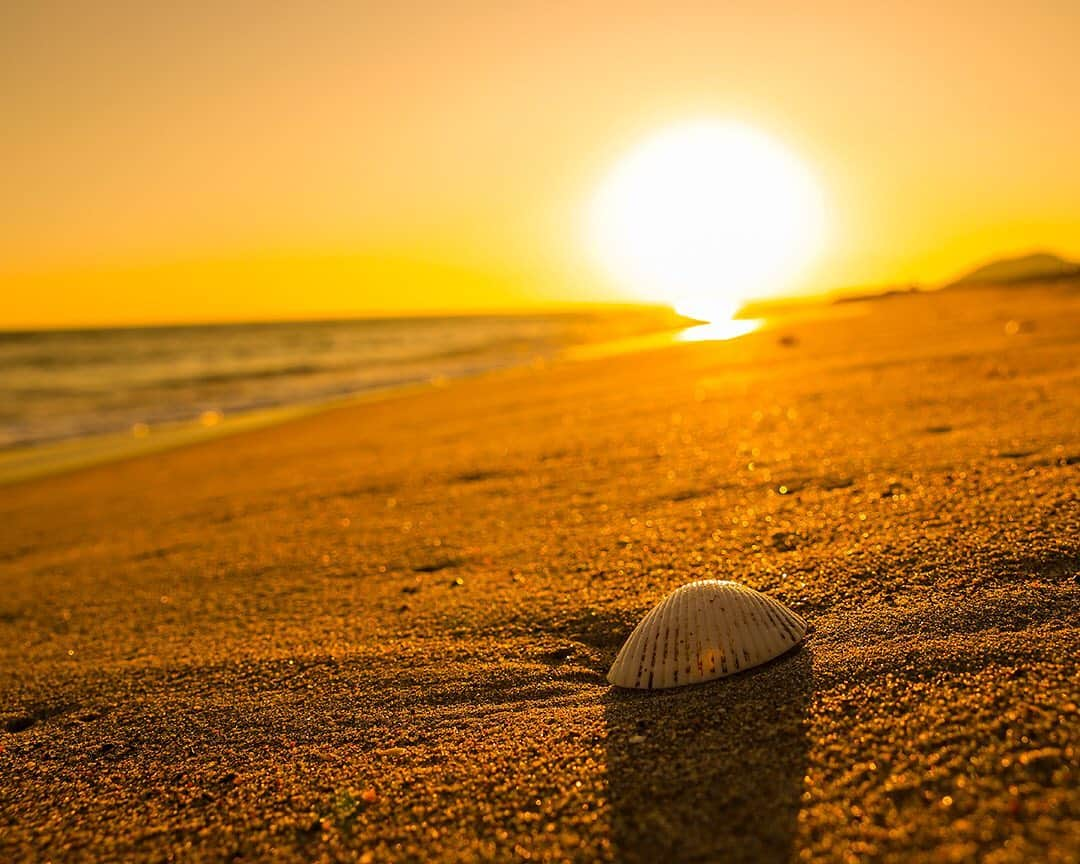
(705, 630)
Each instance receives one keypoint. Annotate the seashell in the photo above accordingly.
(705, 630)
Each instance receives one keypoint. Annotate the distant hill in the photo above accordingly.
(1038, 267)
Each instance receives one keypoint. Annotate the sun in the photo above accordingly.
(705, 216)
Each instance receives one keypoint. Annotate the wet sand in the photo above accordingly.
(381, 633)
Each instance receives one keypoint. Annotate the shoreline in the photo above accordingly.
(23, 463)
(26, 462)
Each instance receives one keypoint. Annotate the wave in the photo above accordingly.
(210, 378)
(65, 384)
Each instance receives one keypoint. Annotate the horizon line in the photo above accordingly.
(522, 310)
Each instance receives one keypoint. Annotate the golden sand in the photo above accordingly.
(381, 633)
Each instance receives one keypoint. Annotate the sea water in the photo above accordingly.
(58, 385)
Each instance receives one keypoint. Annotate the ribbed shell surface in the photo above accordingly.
(705, 630)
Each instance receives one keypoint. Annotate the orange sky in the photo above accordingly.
(225, 160)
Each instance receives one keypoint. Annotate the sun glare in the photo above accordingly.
(705, 216)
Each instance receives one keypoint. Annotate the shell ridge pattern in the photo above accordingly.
(705, 630)
(697, 658)
(683, 648)
(753, 647)
(638, 643)
(648, 649)
(671, 658)
(665, 628)
(770, 638)
(779, 620)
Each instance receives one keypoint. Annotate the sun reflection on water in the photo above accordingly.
(718, 331)
(705, 331)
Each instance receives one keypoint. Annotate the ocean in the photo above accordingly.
(57, 385)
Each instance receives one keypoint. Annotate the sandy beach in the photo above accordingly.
(380, 633)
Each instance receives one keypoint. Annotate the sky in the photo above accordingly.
(238, 160)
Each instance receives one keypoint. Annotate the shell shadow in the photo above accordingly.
(712, 772)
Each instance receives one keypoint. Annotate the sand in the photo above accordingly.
(380, 633)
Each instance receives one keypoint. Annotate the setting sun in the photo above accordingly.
(705, 216)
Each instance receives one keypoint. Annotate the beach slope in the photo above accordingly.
(380, 633)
